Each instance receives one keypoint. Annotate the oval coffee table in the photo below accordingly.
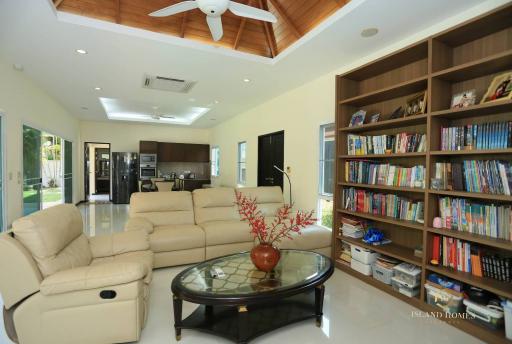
(246, 302)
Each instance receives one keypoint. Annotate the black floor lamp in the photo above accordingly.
(289, 182)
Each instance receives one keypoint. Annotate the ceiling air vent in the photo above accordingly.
(167, 84)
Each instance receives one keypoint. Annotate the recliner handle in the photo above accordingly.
(108, 294)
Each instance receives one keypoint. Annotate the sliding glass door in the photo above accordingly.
(68, 172)
(32, 179)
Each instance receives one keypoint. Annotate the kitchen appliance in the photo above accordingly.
(148, 159)
(124, 176)
(191, 176)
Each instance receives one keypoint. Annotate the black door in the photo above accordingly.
(86, 170)
(270, 154)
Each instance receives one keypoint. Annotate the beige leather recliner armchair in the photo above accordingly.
(58, 286)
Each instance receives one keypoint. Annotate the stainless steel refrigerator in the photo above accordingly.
(124, 176)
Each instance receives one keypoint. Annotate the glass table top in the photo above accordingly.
(295, 268)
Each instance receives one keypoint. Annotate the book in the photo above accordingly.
(478, 218)
(378, 173)
(384, 144)
(494, 135)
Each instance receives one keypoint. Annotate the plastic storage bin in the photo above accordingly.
(365, 269)
(489, 316)
(402, 287)
(408, 273)
(507, 309)
(381, 273)
(363, 255)
(448, 300)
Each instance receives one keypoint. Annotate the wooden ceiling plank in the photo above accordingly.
(118, 11)
(57, 3)
(240, 29)
(269, 32)
(340, 3)
(286, 19)
(183, 24)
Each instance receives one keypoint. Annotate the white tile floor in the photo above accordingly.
(354, 312)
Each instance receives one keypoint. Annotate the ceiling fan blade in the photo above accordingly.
(176, 8)
(251, 12)
(215, 25)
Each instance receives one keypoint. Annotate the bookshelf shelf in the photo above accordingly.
(383, 187)
(474, 69)
(476, 195)
(473, 152)
(385, 219)
(500, 288)
(390, 123)
(480, 239)
(395, 91)
(478, 110)
(383, 156)
(465, 57)
(393, 250)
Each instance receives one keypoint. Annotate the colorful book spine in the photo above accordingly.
(376, 173)
(495, 135)
(384, 144)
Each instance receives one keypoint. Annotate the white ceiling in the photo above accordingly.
(33, 34)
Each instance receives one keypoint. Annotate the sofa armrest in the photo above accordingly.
(119, 243)
(93, 277)
(137, 223)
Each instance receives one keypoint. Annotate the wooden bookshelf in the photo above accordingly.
(461, 58)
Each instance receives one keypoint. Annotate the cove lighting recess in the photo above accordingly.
(81, 51)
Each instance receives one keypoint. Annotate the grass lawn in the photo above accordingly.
(49, 195)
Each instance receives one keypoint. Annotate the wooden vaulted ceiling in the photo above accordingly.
(295, 18)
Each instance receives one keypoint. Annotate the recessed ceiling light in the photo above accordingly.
(247, 80)
(191, 99)
(97, 88)
(213, 119)
(81, 51)
(216, 101)
(369, 32)
(84, 108)
(155, 107)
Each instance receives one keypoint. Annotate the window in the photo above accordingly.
(326, 180)
(241, 179)
(215, 161)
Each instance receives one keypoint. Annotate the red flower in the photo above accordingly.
(282, 225)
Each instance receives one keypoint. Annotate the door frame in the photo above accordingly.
(258, 160)
(3, 178)
(86, 185)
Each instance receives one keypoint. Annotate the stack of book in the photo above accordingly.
(375, 173)
(386, 144)
(363, 201)
(346, 255)
(485, 176)
(467, 216)
(467, 257)
(495, 135)
(352, 227)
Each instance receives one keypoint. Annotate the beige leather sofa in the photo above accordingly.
(215, 229)
(58, 286)
(168, 218)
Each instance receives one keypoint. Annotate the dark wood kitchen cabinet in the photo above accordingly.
(183, 152)
(148, 147)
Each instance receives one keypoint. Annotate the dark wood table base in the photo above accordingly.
(243, 323)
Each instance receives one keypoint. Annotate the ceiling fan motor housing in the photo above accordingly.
(213, 7)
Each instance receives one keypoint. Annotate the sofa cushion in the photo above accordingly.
(163, 208)
(55, 239)
(268, 198)
(119, 243)
(311, 237)
(215, 204)
(92, 277)
(176, 237)
(226, 232)
(143, 257)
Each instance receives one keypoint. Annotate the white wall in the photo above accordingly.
(300, 112)
(23, 102)
(125, 137)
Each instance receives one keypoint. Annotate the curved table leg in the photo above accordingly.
(177, 305)
(319, 303)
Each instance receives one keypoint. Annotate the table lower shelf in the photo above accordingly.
(227, 322)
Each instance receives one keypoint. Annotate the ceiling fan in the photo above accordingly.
(214, 10)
